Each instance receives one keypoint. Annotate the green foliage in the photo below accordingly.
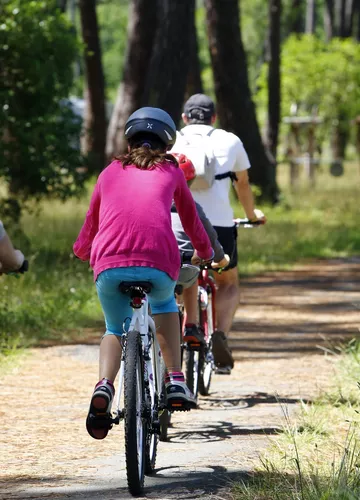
(39, 150)
(113, 19)
(318, 78)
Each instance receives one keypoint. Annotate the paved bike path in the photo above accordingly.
(47, 453)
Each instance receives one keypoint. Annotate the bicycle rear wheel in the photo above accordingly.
(135, 424)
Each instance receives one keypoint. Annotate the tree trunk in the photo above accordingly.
(194, 84)
(274, 86)
(329, 19)
(296, 20)
(310, 17)
(62, 5)
(235, 108)
(343, 17)
(166, 81)
(349, 17)
(140, 36)
(93, 143)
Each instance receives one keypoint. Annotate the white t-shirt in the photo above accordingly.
(231, 156)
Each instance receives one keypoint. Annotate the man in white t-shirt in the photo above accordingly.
(231, 158)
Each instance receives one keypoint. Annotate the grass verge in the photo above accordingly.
(317, 457)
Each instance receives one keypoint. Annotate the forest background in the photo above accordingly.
(285, 78)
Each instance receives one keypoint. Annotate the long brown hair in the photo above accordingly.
(147, 151)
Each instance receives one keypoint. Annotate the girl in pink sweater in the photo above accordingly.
(127, 236)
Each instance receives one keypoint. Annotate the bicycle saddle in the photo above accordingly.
(135, 286)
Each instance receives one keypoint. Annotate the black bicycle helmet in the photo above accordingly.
(153, 121)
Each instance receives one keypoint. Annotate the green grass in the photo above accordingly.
(57, 298)
(309, 224)
(317, 456)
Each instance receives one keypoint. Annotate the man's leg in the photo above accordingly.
(227, 298)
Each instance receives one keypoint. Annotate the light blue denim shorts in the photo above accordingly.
(116, 305)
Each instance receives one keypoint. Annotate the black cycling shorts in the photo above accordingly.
(228, 239)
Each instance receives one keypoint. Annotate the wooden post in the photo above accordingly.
(357, 137)
(311, 151)
(295, 149)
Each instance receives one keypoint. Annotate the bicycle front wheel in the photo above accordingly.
(206, 363)
(135, 424)
(192, 370)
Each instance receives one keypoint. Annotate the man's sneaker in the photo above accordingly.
(178, 395)
(194, 336)
(223, 370)
(222, 354)
(98, 422)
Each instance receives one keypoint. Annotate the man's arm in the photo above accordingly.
(244, 194)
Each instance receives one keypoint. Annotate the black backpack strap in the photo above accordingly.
(225, 175)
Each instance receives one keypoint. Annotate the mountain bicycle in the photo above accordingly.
(199, 360)
(142, 381)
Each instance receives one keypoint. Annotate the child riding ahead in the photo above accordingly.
(127, 236)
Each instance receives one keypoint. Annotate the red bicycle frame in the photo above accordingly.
(208, 283)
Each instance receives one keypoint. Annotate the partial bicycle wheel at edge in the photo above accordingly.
(135, 426)
(192, 370)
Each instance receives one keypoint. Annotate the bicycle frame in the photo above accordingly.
(142, 322)
(206, 281)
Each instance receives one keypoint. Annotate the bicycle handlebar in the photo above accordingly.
(246, 223)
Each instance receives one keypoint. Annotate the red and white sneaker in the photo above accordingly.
(98, 422)
(178, 395)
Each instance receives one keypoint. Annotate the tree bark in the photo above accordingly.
(140, 35)
(329, 19)
(166, 82)
(235, 108)
(274, 85)
(194, 83)
(93, 143)
(310, 17)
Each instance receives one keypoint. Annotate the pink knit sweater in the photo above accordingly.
(129, 223)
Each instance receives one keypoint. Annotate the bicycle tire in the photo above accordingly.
(135, 425)
(165, 417)
(152, 439)
(206, 369)
(206, 362)
(192, 370)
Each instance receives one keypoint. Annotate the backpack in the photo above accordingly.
(198, 149)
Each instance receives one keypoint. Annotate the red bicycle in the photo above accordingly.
(199, 360)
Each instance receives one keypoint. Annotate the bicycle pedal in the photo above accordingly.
(180, 405)
(194, 346)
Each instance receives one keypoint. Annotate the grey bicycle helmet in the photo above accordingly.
(153, 121)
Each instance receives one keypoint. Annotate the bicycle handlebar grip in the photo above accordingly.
(24, 268)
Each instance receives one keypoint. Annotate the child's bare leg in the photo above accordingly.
(190, 302)
(110, 356)
(168, 334)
